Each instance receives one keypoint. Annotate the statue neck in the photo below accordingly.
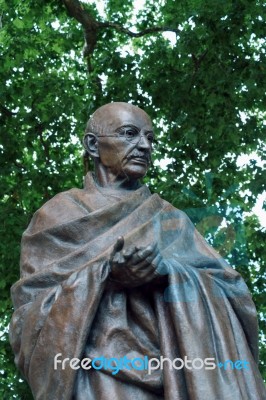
(105, 179)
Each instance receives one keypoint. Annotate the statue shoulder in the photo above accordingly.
(169, 208)
(60, 209)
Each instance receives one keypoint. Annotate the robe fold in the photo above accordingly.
(65, 302)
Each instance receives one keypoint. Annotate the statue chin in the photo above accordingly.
(135, 169)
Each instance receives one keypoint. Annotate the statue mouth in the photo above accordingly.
(141, 160)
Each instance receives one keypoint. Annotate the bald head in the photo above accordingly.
(109, 116)
(119, 138)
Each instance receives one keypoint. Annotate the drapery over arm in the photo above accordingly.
(56, 320)
(204, 310)
(64, 268)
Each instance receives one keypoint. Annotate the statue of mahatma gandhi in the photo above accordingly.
(120, 297)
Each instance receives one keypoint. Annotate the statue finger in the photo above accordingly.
(138, 263)
(118, 258)
(118, 246)
(149, 251)
(130, 251)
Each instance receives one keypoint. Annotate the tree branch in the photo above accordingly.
(197, 62)
(77, 11)
(128, 32)
(91, 26)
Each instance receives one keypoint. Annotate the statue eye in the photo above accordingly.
(131, 133)
(150, 137)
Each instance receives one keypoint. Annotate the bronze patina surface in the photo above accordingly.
(111, 270)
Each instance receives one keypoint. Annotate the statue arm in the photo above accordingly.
(55, 302)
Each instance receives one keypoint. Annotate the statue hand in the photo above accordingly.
(135, 265)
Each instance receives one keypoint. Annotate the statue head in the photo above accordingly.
(119, 138)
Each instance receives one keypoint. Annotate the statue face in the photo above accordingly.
(125, 144)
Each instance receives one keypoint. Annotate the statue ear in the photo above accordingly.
(91, 144)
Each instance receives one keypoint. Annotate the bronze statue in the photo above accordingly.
(120, 297)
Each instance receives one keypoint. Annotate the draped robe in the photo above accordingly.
(65, 302)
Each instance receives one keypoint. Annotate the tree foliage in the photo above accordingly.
(205, 91)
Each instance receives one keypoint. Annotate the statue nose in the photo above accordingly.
(143, 142)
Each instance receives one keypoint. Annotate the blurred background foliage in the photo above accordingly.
(198, 69)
